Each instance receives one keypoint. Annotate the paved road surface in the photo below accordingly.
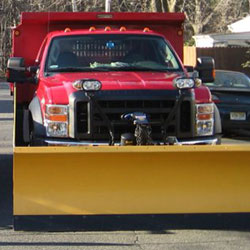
(207, 232)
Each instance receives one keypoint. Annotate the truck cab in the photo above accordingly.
(113, 85)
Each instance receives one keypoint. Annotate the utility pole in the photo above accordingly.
(107, 5)
(74, 6)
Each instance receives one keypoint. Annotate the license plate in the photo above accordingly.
(238, 116)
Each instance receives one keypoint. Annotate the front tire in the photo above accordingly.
(35, 141)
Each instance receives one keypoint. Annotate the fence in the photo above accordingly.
(225, 58)
(189, 55)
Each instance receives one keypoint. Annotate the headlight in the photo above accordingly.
(87, 85)
(56, 120)
(57, 129)
(205, 127)
(205, 119)
(184, 83)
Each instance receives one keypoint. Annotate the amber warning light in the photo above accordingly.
(17, 33)
(146, 29)
(107, 28)
(123, 28)
(67, 30)
(180, 32)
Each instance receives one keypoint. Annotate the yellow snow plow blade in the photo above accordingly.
(131, 180)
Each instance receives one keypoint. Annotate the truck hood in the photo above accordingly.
(60, 85)
(120, 80)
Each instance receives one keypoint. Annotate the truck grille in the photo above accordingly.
(156, 110)
(82, 117)
(91, 125)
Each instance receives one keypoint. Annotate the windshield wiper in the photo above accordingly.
(106, 69)
(77, 69)
(140, 68)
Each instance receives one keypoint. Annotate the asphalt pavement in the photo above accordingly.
(159, 233)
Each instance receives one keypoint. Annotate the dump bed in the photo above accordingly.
(29, 35)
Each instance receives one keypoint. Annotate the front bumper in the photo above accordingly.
(197, 141)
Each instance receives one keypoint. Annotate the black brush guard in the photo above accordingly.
(97, 116)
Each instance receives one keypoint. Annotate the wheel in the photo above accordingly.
(19, 127)
(34, 140)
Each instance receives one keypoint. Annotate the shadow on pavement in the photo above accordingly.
(68, 244)
(6, 197)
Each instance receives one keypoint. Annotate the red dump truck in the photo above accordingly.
(114, 86)
(106, 79)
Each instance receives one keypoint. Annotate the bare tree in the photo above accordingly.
(171, 5)
(213, 15)
(74, 5)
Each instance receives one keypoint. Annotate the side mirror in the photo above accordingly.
(16, 70)
(205, 67)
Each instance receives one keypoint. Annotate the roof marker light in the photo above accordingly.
(17, 33)
(123, 28)
(92, 28)
(180, 32)
(67, 30)
(146, 29)
(107, 28)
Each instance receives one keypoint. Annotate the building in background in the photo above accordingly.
(239, 36)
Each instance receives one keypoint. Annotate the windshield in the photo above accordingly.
(230, 79)
(110, 53)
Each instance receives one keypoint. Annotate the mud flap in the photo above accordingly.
(131, 180)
